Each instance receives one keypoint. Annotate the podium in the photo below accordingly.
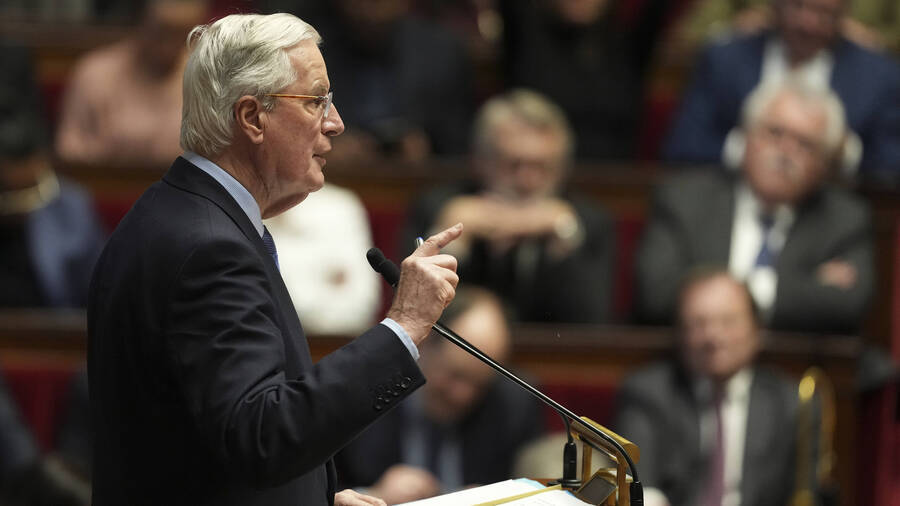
(604, 487)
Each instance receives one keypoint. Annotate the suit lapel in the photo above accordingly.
(805, 231)
(190, 178)
(186, 176)
(761, 415)
(845, 76)
(754, 64)
(715, 229)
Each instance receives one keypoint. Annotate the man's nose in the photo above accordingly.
(333, 125)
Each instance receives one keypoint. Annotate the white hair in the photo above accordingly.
(529, 107)
(240, 54)
(766, 93)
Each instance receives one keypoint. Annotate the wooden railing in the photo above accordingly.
(589, 360)
(387, 188)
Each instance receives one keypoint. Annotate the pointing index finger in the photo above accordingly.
(434, 244)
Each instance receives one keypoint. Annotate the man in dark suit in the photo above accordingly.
(806, 43)
(713, 428)
(202, 387)
(803, 247)
(464, 427)
(547, 251)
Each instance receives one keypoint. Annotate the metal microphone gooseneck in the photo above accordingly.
(391, 274)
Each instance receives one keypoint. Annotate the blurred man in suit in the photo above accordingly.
(202, 387)
(547, 251)
(464, 427)
(806, 44)
(803, 246)
(713, 428)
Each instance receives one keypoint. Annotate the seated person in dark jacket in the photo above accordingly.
(806, 44)
(804, 247)
(463, 428)
(403, 82)
(588, 59)
(50, 236)
(713, 427)
(545, 251)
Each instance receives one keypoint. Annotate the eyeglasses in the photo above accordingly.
(318, 99)
(776, 133)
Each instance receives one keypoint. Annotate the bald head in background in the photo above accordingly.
(720, 332)
(457, 380)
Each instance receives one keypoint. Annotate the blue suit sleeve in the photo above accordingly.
(694, 136)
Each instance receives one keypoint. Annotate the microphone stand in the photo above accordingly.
(391, 274)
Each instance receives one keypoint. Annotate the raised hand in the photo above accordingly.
(427, 285)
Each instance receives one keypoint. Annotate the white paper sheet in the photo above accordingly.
(477, 495)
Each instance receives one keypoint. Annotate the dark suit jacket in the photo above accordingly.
(690, 224)
(502, 423)
(657, 411)
(867, 82)
(201, 384)
(577, 289)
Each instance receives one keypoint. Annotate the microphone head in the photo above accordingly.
(388, 270)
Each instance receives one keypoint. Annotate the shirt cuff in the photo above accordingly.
(403, 336)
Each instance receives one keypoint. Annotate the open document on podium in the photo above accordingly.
(520, 492)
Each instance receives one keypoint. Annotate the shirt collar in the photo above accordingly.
(234, 188)
(783, 213)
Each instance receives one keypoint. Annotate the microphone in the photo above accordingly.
(388, 270)
(391, 273)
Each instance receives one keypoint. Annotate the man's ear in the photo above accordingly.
(250, 118)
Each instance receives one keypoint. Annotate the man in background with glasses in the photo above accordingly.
(202, 387)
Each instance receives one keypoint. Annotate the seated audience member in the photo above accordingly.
(870, 23)
(463, 428)
(583, 57)
(405, 85)
(123, 103)
(806, 44)
(713, 427)
(50, 236)
(322, 256)
(803, 246)
(546, 251)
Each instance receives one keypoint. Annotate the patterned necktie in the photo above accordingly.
(269, 242)
(765, 257)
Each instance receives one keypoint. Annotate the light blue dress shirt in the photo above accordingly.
(248, 204)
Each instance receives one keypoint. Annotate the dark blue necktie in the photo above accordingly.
(766, 256)
(269, 242)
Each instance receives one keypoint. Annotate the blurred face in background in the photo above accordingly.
(162, 38)
(808, 26)
(580, 12)
(719, 332)
(786, 155)
(526, 163)
(456, 380)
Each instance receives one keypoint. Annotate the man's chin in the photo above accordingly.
(284, 204)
